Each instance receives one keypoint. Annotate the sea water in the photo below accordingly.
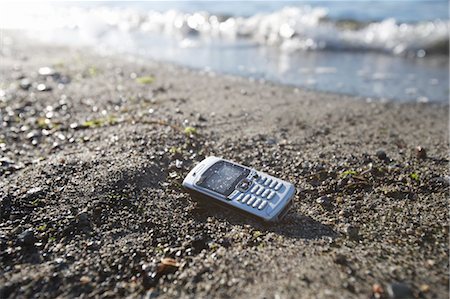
(393, 50)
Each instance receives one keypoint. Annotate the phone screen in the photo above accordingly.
(223, 176)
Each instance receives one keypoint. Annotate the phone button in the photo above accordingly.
(271, 195)
(240, 197)
(254, 189)
(278, 186)
(273, 184)
(268, 181)
(256, 203)
(265, 193)
(252, 199)
(262, 205)
(246, 197)
(261, 189)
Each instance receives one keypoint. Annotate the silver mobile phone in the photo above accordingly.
(236, 186)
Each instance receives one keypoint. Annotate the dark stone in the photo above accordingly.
(6, 290)
(399, 290)
(26, 238)
(421, 153)
(83, 219)
(225, 242)
(352, 232)
(381, 154)
(325, 202)
(340, 259)
(199, 243)
(201, 118)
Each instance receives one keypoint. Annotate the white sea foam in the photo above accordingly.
(290, 29)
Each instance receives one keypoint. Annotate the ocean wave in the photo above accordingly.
(290, 29)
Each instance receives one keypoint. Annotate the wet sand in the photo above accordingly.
(91, 200)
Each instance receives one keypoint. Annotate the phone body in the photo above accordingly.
(241, 188)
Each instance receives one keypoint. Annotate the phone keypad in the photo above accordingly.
(262, 191)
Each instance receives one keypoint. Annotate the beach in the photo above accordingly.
(94, 149)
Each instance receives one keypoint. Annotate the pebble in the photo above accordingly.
(424, 288)
(199, 243)
(85, 279)
(381, 154)
(325, 202)
(26, 238)
(421, 153)
(340, 259)
(399, 290)
(33, 134)
(178, 164)
(43, 87)
(377, 289)
(352, 232)
(25, 84)
(34, 191)
(201, 118)
(83, 219)
(46, 71)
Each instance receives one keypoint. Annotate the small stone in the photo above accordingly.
(399, 290)
(377, 289)
(83, 219)
(178, 164)
(43, 87)
(33, 134)
(26, 238)
(352, 232)
(199, 243)
(34, 191)
(325, 202)
(85, 279)
(201, 117)
(5, 161)
(46, 71)
(271, 141)
(340, 259)
(167, 266)
(421, 153)
(424, 288)
(381, 154)
(225, 242)
(25, 84)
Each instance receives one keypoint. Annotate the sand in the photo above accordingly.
(91, 200)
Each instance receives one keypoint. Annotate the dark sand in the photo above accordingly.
(91, 198)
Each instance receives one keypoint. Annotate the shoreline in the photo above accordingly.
(91, 199)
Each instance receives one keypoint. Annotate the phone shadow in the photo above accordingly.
(294, 225)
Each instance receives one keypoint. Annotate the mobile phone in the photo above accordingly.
(241, 188)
